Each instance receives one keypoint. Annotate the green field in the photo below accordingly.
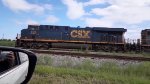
(87, 73)
(7, 43)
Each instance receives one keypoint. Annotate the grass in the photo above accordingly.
(87, 73)
(7, 43)
(104, 76)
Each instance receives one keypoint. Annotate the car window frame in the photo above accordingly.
(17, 63)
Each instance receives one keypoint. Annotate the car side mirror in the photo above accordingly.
(16, 65)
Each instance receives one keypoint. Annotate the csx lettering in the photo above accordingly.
(80, 34)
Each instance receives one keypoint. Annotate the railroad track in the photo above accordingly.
(63, 49)
(92, 56)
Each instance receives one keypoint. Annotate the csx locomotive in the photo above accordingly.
(44, 36)
(97, 38)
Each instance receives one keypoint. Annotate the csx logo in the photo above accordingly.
(80, 34)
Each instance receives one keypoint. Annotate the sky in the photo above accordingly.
(133, 15)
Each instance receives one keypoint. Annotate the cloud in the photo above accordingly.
(125, 11)
(93, 2)
(94, 22)
(128, 14)
(133, 33)
(52, 19)
(26, 22)
(118, 11)
(23, 5)
(17, 22)
(75, 9)
(48, 6)
(29, 22)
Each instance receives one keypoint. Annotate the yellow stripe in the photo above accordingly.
(67, 41)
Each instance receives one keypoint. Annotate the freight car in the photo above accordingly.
(43, 36)
(145, 40)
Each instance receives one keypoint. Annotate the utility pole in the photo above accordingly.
(3, 37)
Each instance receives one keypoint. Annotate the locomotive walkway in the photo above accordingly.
(90, 55)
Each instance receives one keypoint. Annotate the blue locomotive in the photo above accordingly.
(44, 36)
(145, 39)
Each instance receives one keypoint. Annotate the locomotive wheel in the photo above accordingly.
(120, 48)
(95, 47)
(26, 45)
(34, 46)
(45, 47)
(106, 48)
(111, 48)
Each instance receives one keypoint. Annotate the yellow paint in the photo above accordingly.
(70, 41)
(80, 34)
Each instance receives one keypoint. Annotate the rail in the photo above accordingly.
(92, 56)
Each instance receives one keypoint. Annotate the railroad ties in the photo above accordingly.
(90, 55)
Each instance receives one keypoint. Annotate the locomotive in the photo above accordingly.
(96, 38)
(145, 39)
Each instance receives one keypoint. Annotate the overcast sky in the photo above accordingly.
(133, 15)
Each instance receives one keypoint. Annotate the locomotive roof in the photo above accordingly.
(109, 29)
(93, 28)
(146, 30)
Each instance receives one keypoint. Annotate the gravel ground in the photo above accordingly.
(57, 60)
